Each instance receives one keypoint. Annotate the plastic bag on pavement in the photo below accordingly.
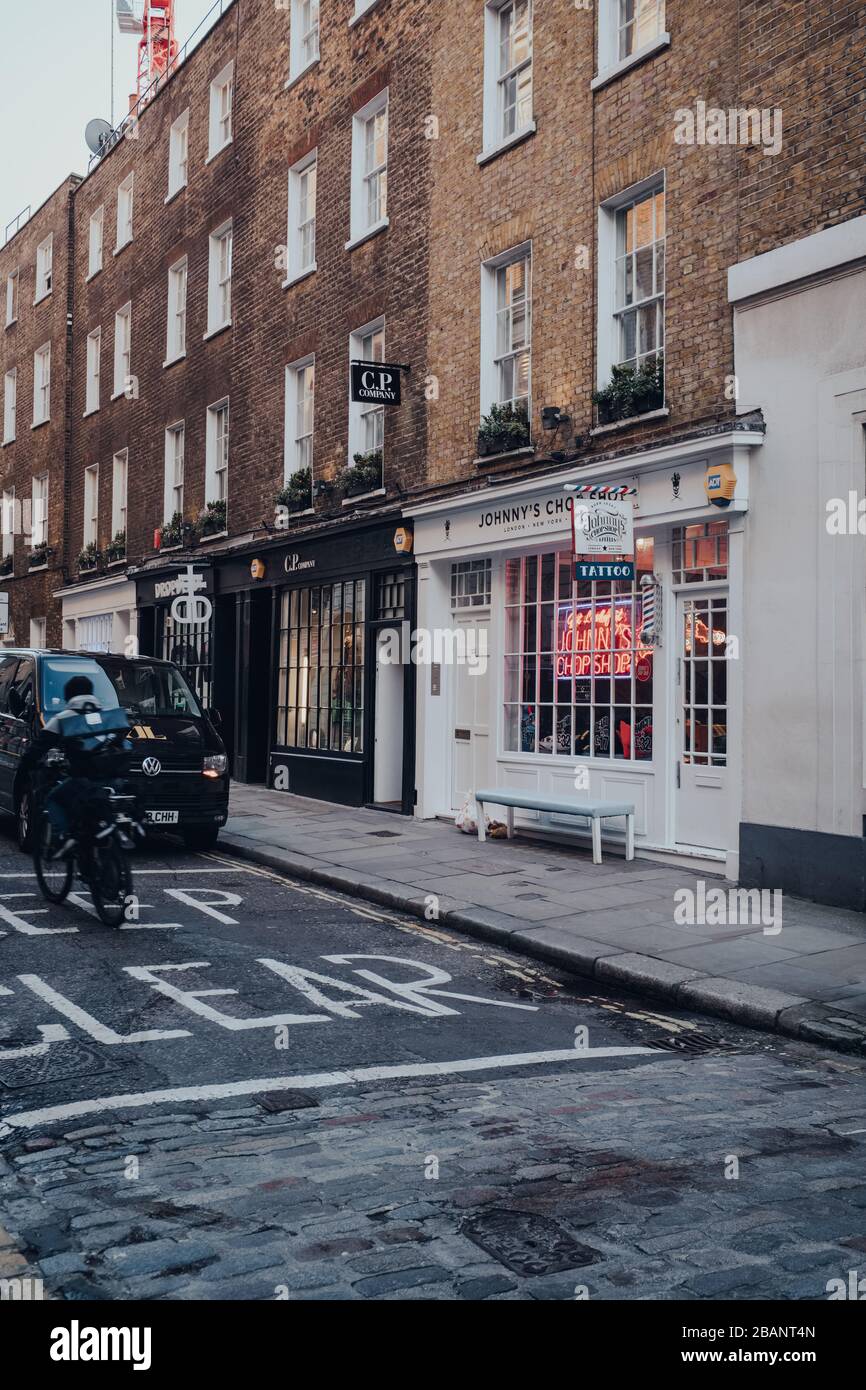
(467, 817)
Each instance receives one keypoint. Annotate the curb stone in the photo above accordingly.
(770, 1010)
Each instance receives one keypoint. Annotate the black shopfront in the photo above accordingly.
(309, 672)
(185, 635)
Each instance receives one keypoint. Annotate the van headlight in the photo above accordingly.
(215, 764)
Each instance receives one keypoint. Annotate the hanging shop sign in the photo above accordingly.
(377, 383)
(603, 533)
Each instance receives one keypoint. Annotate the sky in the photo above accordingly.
(55, 74)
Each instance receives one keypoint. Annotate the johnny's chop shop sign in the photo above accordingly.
(603, 538)
(376, 383)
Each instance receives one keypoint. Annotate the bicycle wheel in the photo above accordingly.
(110, 882)
(54, 876)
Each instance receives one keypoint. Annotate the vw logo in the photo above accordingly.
(152, 767)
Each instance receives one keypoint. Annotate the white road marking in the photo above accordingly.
(135, 1100)
(90, 1025)
(217, 896)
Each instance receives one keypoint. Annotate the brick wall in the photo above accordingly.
(40, 450)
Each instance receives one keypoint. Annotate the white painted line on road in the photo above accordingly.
(314, 1081)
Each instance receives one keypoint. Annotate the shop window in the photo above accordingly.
(700, 552)
(188, 645)
(471, 583)
(320, 702)
(94, 633)
(578, 677)
(390, 596)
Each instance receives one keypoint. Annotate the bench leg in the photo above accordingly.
(629, 837)
(509, 818)
(596, 840)
(482, 833)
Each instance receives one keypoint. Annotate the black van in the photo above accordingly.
(179, 768)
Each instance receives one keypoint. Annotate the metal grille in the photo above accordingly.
(390, 596)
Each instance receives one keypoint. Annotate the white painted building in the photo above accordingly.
(573, 700)
(800, 345)
(99, 615)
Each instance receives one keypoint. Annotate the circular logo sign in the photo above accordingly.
(644, 668)
(152, 767)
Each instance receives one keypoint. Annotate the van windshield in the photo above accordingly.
(56, 671)
(145, 689)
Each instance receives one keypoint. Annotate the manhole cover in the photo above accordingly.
(695, 1043)
(526, 1243)
(277, 1101)
(384, 834)
(64, 1061)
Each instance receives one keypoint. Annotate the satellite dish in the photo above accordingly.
(97, 134)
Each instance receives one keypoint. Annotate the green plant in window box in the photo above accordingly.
(212, 520)
(364, 474)
(503, 431)
(297, 494)
(7, 564)
(89, 557)
(116, 548)
(39, 556)
(631, 392)
(172, 533)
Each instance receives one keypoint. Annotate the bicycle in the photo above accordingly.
(105, 834)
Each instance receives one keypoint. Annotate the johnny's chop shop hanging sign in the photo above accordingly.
(377, 383)
(603, 537)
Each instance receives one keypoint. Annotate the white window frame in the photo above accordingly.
(125, 212)
(91, 505)
(611, 63)
(219, 280)
(495, 139)
(42, 385)
(44, 268)
(491, 356)
(173, 477)
(297, 452)
(94, 356)
(303, 37)
(608, 327)
(10, 405)
(12, 284)
(38, 633)
(361, 225)
(175, 328)
(221, 112)
(119, 491)
(95, 242)
(122, 349)
(299, 205)
(8, 522)
(39, 509)
(359, 414)
(217, 451)
(178, 155)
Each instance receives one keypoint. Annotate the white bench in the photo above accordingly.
(594, 811)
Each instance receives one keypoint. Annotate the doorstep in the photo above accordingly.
(613, 922)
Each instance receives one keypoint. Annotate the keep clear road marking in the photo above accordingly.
(313, 1081)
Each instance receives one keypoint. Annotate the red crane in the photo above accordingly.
(153, 20)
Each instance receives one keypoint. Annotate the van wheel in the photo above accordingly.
(25, 819)
(201, 839)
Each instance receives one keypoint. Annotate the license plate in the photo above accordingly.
(161, 817)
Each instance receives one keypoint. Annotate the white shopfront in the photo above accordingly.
(576, 697)
(100, 616)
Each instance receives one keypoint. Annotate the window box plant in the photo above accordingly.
(39, 556)
(213, 519)
(297, 494)
(503, 431)
(7, 564)
(631, 392)
(116, 548)
(89, 557)
(172, 533)
(364, 474)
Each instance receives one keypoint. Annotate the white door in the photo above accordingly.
(702, 800)
(471, 733)
(388, 720)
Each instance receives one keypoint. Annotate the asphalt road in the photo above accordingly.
(259, 1089)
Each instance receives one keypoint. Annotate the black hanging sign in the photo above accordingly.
(377, 383)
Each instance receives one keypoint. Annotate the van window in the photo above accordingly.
(56, 671)
(145, 689)
(8, 665)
